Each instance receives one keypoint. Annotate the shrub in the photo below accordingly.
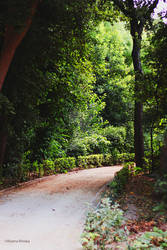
(108, 160)
(116, 136)
(48, 167)
(103, 225)
(90, 161)
(97, 144)
(121, 178)
(77, 147)
(125, 157)
(102, 160)
(93, 144)
(63, 165)
(151, 240)
(38, 168)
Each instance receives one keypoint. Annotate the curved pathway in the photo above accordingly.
(49, 213)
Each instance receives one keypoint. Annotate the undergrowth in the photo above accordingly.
(109, 228)
(103, 226)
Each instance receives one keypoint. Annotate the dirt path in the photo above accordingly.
(48, 214)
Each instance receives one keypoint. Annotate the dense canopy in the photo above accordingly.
(79, 78)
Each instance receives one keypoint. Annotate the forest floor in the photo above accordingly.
(138, 202)
(49, 213)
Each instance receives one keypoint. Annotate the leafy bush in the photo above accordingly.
(55, 149)
(93, 144)
(121, 178)
(38, 169)
(125, 157)
(102, 225)
(116, 136)
(17, 171)
(97, 144)
(151, 240)
(90, 161)
(108, 160)
(63, 165)
(48, 167)
(77, 147)
(102, 160)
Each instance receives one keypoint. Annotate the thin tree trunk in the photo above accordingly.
(136, 32)
(152, 150)
(138, 134)
(12, 40)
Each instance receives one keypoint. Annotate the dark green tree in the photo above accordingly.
(137, 14)
(46, 69)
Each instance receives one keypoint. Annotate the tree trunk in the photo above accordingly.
(136, 31)
(138, 134)
(12, 40)
(152, 149)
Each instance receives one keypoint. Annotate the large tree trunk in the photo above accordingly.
(136, 31)
(12, 40)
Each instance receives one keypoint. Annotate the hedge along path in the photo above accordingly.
(50, 214)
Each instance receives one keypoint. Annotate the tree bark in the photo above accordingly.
(12, 40)
(151, 142)
(138, 134)
(136, 32)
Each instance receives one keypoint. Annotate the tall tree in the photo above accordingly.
(41, 68)
(12, 35)
(138, 13)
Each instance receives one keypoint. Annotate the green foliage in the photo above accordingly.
(6, 107)
(110, 55)
(93, 144)
(108, 140)
(116, 136)
(160, 188)
(108, 160)
(72, 94)
(102, 225)
(104, 160)
(125, 157)
(37, 169)
(48, 167)
(63, 165)
(90, 161)
(53, 79)
(151, 240)
(121, 178)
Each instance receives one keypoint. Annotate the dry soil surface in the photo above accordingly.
(49, 213)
